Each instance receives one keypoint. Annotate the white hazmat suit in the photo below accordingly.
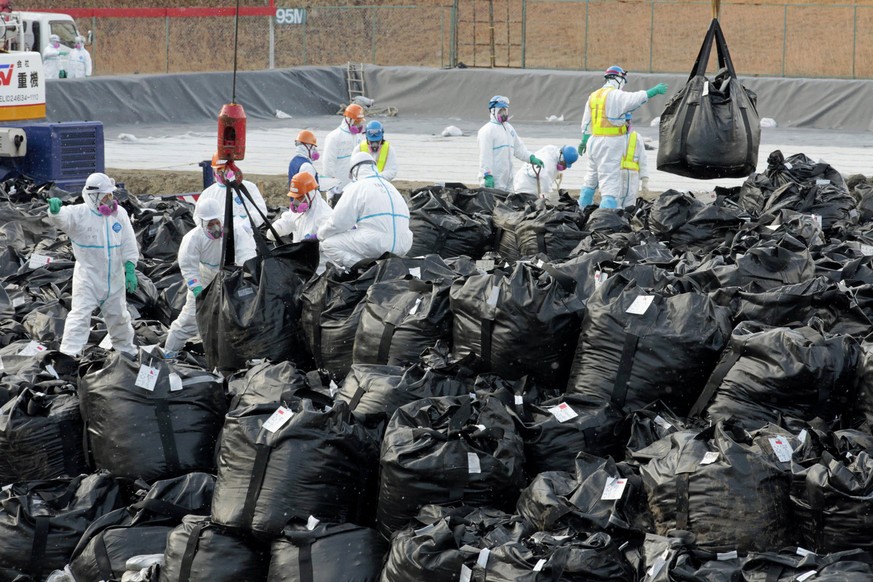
(630, 178)
(241, 205)
(301, 225)
(605, 151)
(370, 219)
(199, 262)
(101, 246)
(498, 144)
(525, 179)
(339, 145)
(79, 62)
(51, 58)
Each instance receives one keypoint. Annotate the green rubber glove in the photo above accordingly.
(197, 290)
(489, 181)
(54, 205)
(130, 282)
(658, 89)
(583, 145)
(536, 161)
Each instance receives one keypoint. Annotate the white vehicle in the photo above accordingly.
(30, 31)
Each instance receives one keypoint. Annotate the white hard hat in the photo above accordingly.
(98, 182)
(359, 158)
(208, 209)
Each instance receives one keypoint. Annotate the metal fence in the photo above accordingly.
(790, 40)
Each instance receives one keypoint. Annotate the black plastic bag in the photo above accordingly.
(151, 418)
(327, 553)
(710, 128)
(317, 462)
(41, 521)
(41, 436)
(141, 528)
(199, 550)
(446, 230)
(448, 450)
(253, 311)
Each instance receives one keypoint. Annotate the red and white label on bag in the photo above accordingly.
(600, 278)
(36, 261)
(563, 412)
(32, 349)
(147, 378)
(278, 419)
(613, 489)
(782, 449)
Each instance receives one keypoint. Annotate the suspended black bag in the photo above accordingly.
(201, 551)
(723, 484)
(317, 462)
(446, 230)
(327, 553)
(41, 436)
(41, 521)
(522, 323)
(638, 345)
(151, 419)
(400, 319)
(710, 128)
(139, 529)
(253, 311)
(769, 372)
(448, 451)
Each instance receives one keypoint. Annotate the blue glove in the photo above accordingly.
(311, 236)
(658, 89)
(197, 290)
(489, 181)
(54, 205)
(536, 161)
(130, 282)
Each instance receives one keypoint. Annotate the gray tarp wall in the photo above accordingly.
(427, 93)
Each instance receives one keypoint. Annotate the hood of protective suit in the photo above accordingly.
(301, 150)
(493, 113)
(365, 171)
(89, 202)
(614, 83)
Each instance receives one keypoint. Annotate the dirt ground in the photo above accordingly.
(273, 188)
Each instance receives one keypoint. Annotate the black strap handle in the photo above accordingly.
(682, 501)
(40, 542)
(190, 552)
(625, 365)
(228, 246)
(245, 192)
(716, 378)
(167, 435)
(259, 470)
(101, 556)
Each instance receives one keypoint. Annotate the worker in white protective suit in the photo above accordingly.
(52, 55)
(339, 146)
(226, 172)
(307, 210)
(199, 262)
(305, 153)
(498, 143)
(106, 253)
(79, 61)
(545, 181)
(634, 173)
(605, 135)
(381, 150)
(370, 219)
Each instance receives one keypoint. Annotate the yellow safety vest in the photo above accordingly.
(628, 161)
(383, 153)
(600, 125)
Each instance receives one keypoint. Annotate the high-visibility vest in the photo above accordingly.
(600, 125)
(383, 153)
(628, 160)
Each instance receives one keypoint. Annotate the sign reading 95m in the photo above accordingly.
(290, 15)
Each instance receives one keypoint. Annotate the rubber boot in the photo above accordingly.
(586, 197)
(608, 202)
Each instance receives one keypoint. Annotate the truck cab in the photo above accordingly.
(30, 31)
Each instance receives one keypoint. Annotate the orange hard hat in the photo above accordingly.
(354, 112)
(302, 184)
(217, 162)
(307, 137)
